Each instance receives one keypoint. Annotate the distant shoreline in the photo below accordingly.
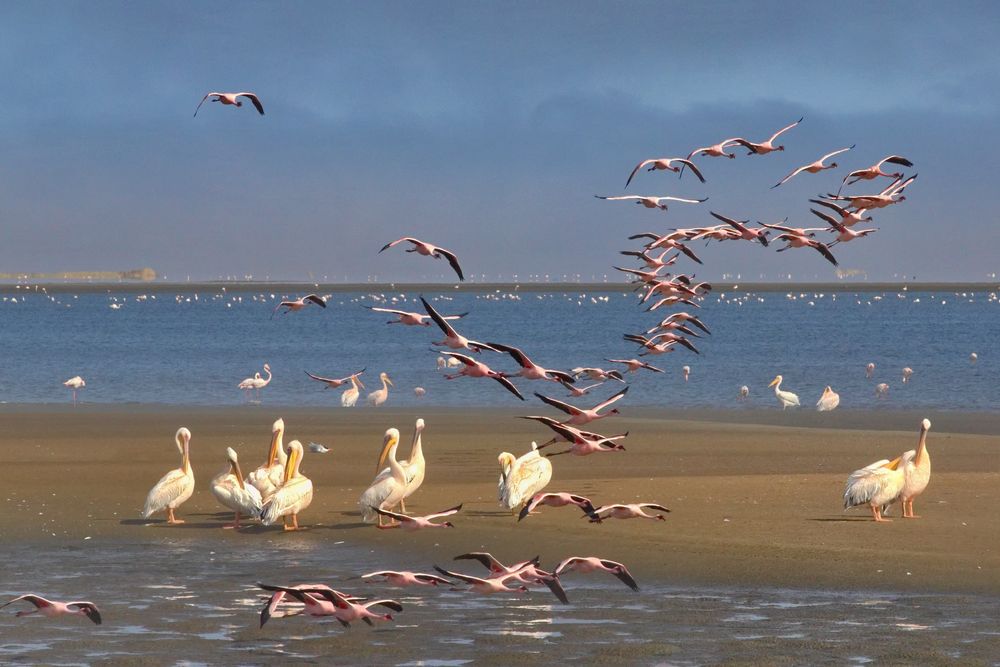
(138, 287)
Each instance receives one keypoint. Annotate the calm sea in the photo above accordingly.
(193, 348)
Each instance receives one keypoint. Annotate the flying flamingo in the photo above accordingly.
(582, 416)
(586, 565)
(874, 171)
(814, 167)
(497, 584)
(653, 347)
(324, 601)
(847, 218)
(716, 150)
(651, 201)
(669, 241)
(556, 500)
(407, 522)
(429, 250)
(405, 578)
(296, 305)
(332, 383)
(768, 146)
(51, 608)
(629, 511)
(75, 383)
(476, 369)
(667, 164)
(746, 233)
(892, 194)
(452, 339)
(633, 365)
(844, 234)
(597, 374)
(581, 443)
(576, 392)
(231, 99)
(411, 319)
(529, 369)
(685, 317)
(653, 262)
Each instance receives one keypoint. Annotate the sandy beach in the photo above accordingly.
(752, 503)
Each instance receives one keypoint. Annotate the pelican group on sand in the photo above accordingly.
(385, 491)
(176, 486)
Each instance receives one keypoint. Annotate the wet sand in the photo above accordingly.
(752, 504)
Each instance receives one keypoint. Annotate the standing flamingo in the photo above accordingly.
(76, 382)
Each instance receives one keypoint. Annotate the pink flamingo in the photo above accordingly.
(653, 346)
(324, 601)
(746, 233)
(633, 365)
(401, 579)
(892, 194)
(582, 416)
(51, 608)
(768, 146)
(670, 241)
(429, 250)
(629, 511)
(278, 596)
(581, 443)
(231, 99)
(665, 164)
(653, 262)
(333, 383)
(452, 339)
(650, 201)
(557, 500)
(814, 167)
(597, 374)
(847, 218)
(715, 150)
(529, 369)
(683, 316)
(576, 392)
(76, 382)
(588, 564)
(477, 369)
(874, 171)
(672, 301)
(844, 234)
(295, 305)
(412, 319)
(407, 522)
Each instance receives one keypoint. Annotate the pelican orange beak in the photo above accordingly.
(892, 465)
(235, 468)
(389, 381)
(273, 454)
(389, 442)
(773, 382)
(293, 461)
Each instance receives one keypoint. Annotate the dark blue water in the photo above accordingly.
(190, 348)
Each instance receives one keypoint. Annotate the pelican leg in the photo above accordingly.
(295, 523)
(908, 505)
(877, 515)
(171, 519)
(402, 506)
(234, 524)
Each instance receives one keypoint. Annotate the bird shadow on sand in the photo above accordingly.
(844, 519)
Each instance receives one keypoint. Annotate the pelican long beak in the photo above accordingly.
(360, 383)
(273, 453)
(389, 381)
(390, 441)
(773, 382)
(892, 465)
(234, 467)
(293, 461)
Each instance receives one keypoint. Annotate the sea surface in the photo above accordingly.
(176, 601)
(193, 348)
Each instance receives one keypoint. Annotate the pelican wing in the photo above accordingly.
(171, 487)
(874, 483)
(292, 497)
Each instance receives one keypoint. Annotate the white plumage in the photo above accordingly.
(786, 398)
(232, 492)
(828, 401)
(380, 396)
(916, 466)
(269, 476)
(349, 398)
(384, 492)
(294, 494)
(413, 467)
(176, 486)
(875, 485)
(521, 478)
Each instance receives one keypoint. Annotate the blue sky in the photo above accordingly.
(484, 127)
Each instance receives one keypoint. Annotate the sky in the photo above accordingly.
(485, 128)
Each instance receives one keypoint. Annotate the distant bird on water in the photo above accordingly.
(256, 382)
(907, 374)
(744, 393)
(973, 358)
(75, 383)
(51, 608)
(295, 305)
(429, 250)
(882, 390)
(317, 448)
(870, 369)
(231, 99)
(380, 396)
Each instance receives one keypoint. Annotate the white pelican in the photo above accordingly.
(379, 396)
(521, 478)
(51, 608)
(907, 374)
(176, 486)
(916, 465)
(350, 396)
(429, 250)
(231, 491)
(295, 305)
(294, 494)
(744, 393)
(268, 477)
(875, 485)
(413, 467)
(384, 491)
(231, 99)
(828, 401)
(786, 398)
(76, 382)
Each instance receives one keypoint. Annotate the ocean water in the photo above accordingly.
(194, 602)
(193, 348)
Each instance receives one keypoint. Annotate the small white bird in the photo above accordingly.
(231, 99)
(686, 370)
(419, 391)
(78, 382)
(317, 448)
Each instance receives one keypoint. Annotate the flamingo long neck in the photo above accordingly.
(268, 380)
(921, 448)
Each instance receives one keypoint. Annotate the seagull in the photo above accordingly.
(317, 448)
(665, 163)
(231, 99)
(429, 250)
(652, 202)
(298, 304)
(332, 383)
(452, 339)
(412, 319)
(814, 167)
(767, 146)
(51, 608)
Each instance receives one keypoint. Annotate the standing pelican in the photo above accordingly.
(229, 489)
(384, 492)
(294, 494)
(828, 401)
(176, 486)
(786, 398)
(916, 465)
(413, 467)
(350, 396)
(268, 477)
(521, 478)
(875, 485)
(379, 396)
(76, 382)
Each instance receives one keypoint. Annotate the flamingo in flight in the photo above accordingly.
(715, 150)
(576, 392)
(324, 601)
(892, 194)
(746, 233)
(295, 305)
(556, 500)
(651, 262)
(529, 369)
(633, 365)
(651, 201)
(334, 383)
(668, 241)
(667, 164)
(477, 369)
(452, 339)
(597, 374)
(588, 564)
(844, 234)
(51, 608)
(814, 167)
(582, 443)
(429, 250)
(874, 171)
(407, 522)
(412, 319)
(231, 99)
(583, 416)
(629, 511)
(768, 146)
(499, 584)
(847, 218)
(404, 578)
